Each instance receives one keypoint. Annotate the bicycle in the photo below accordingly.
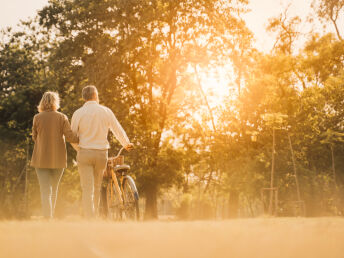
(120, 198)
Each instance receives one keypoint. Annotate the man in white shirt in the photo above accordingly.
(91, 123)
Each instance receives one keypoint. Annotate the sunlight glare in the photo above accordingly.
(217, 83)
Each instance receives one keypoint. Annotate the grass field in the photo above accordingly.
(279, 237)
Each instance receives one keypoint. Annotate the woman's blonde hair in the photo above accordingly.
(50, 102)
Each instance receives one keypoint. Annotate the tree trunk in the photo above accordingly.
(26, 193)
(334, 21)
(333, 167)
(151, 210)
(205, 98)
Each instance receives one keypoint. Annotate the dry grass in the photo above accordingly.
(282, 237)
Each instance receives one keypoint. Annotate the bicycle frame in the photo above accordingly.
(119, 188)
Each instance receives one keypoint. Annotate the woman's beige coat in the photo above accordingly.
(49, 130)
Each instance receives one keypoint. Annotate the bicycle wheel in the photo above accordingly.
(131, 199)
(113, 207)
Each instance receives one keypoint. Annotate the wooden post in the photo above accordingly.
(295, 171)
(299, 202)
(272, 172)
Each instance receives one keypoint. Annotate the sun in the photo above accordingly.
(217, 87)
(217, 83)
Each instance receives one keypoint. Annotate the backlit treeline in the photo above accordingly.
(147, 60)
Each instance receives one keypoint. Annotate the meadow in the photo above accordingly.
(261, 237)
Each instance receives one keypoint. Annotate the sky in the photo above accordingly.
(262, 10)
(14, 10)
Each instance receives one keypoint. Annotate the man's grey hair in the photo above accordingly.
(89, 92)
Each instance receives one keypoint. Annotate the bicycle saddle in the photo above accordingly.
(121, 167)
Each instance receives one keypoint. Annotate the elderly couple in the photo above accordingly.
(88, 135)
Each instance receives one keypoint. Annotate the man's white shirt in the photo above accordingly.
(92, 122)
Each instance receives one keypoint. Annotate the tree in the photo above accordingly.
(22, 82)
(330, 10)
(136, 52)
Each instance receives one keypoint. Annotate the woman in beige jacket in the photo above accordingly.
(49, 158)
